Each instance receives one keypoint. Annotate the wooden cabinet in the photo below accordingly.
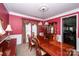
(8, 47)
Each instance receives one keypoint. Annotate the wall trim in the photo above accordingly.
(65, 13)
(3, 39)
(59, 15)
(77, 45)
(18, 14)
(18, 38)
(76, 26)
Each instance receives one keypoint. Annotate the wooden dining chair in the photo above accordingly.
(39, 51)
(31, 43)
(68, 52)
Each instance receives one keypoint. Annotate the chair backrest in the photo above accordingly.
(70, 53)
(37, 47)
(36, 42)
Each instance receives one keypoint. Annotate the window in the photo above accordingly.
(28, 30)
(34, 29)
(52, 29)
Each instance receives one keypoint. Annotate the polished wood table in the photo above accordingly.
(51, 49)
(54, 48)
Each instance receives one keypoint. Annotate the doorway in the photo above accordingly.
(69, 27)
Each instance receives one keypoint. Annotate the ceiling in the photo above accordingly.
(36, 9)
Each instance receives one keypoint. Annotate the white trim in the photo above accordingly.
(61, 33)
(76, 26)
(3, 39)
(59, 15)
(61, 27)
(76, 31)
(65, 13)
(77, 45)
(18, 14)
(18, 38)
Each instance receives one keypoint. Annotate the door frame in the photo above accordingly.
(76, 27)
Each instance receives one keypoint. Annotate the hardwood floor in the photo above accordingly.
(23, 50)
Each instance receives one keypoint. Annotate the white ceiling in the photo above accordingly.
(33, 9)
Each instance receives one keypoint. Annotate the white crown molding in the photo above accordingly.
(65, 13)
(59, 15)
(18, 14)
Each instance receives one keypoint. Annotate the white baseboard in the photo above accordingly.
(77, 44)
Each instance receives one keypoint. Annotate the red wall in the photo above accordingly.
(57, 19)
(16, 24)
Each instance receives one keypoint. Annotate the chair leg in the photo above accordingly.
(30, 48)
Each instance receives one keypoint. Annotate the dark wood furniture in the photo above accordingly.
(55, 48)
(8, 49)
(39, 51)
(49, 48)
(69, 30)
(31, 42)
